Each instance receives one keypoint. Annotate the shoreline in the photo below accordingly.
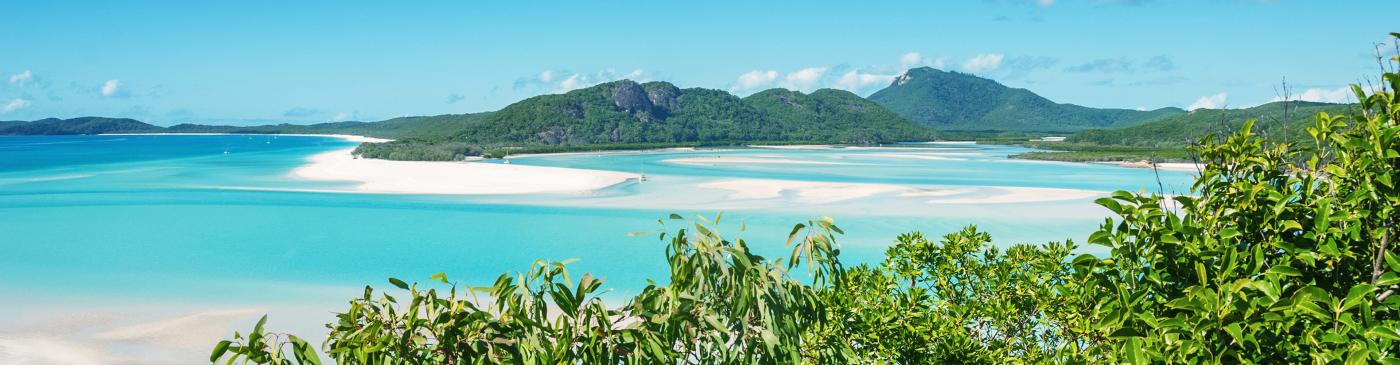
(1164, 166)
(452, 177)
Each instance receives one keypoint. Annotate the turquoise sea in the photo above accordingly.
(151, 246)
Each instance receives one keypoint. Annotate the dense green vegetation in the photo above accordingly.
(1072, 152)
(833, 116)
(83, 125)
(945, 100)
(625, 114)
(1282, 255)
(1283, 121)
(1167, 139)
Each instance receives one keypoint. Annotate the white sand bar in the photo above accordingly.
(465, 178)
(828, 192)
(722, 160)
(1164, 166)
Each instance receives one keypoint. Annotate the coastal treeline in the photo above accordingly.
(1282, 254)
(1167, 139)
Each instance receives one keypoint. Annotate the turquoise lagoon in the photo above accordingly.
(150, 231)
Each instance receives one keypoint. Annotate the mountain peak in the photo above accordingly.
(951, 100)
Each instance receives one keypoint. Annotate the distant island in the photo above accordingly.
(920, 105)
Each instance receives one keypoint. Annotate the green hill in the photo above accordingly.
(833, 115)
(83, 125)
(1166, 139)
(658, 112)
(626, 114)
(1181, 130)
(956, 101)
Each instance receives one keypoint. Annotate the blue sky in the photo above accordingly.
(310, 61)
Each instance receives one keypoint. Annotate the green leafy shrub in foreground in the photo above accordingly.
(1283, 255)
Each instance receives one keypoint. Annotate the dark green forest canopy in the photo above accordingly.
(656, 114)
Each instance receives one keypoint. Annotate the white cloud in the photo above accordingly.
(1044, 3)
(910, 59)
(754, 81)
(983, 62)
(343, 116)
(14, 105)
(1209, 102)
(805, 79)
(1338, 95)
(111, 87)
(856, 81)
(940, 62)
(21, 78)
(551, 81)
(574, 81)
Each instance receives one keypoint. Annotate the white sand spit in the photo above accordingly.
(921, 156)
(830, 192)
(1001, 194)
(465, 178)
(1164, 166)
(795, 146)
(805, 191)
(718, 160)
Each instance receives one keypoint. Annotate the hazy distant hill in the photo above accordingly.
(403, 127)
(83, 125)
(956, 101)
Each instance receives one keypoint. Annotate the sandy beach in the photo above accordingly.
(1164, 166)
(465, 178)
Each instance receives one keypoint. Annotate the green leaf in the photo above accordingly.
(441, 277)
(219, 350)
(1228, 233)
(1126, 332)
(399, 283)
(1111, 204)
(1284, 270)
(1383, 331)
(1234, 330)
(1388, 279)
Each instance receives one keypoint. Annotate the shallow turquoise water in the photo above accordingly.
(172, 216)
(216, 221)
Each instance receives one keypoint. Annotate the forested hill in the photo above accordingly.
(83, 125)
(659, 112)
(1272, 121)
(834, 115)
(946, 100)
